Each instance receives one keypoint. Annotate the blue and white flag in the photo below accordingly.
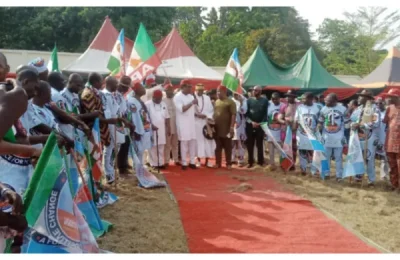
(354, 160)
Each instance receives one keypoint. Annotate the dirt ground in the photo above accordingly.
(148, 221)
(145, 221)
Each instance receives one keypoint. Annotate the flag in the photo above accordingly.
(287, 162)
(81, 188)
(319, 161)
(56, 225)
(144, 59)
(97, 173)
(316, 144)
(53, 62)
(233, 77)
(116, 61)
(354, 160)
(286, 158)
(146, 179)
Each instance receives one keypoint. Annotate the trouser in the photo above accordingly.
(255, 136)
(188, 147)
(337, 153)
(123, 154)
(179, 150)
(294, 150)
(238, 151)
(394, 164)
(272, 149)
(157, 160)
(223, 143)
(370, 167)
(305, 159)
(109, 161)
(384, 167)
(171, 147)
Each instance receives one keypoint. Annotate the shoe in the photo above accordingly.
(184, 167)
(292, 169)
(192, 166)
(209, 165)
(371, 185)
(229, 167)
(178, 164)
(249, 166)
(339, 180)
(271, 168)
(304, 173)
(198, 165)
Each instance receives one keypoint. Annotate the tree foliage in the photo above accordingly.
(349, 46)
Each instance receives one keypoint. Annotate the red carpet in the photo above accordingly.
(267, 219)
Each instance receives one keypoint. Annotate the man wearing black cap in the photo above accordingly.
(366, 119)
(257, 113)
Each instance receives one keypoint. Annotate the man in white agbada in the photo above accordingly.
(117, 131)
(239, 137)
(185, 123)
(331, 122)
(275, 127)
(171, 146)
(204, 112)
(159, 115)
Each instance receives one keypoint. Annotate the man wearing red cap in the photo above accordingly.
(160, 119)
(185, 123)
(141, 120)
(151, 86)
(224, 118)
(171, 146)
(392, 143)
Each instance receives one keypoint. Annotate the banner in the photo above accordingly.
(320, 162)
(56, 225)
(354, 164)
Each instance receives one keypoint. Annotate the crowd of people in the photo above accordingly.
(184, 126)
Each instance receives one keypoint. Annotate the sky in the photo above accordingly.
(316, 15)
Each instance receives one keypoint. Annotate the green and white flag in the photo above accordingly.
(233, 77)
(53, 62)
(117, 55)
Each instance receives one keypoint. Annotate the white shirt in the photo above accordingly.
(158, 114)
(332, 119)
(68, 102)
(185, 122)
(111, 110)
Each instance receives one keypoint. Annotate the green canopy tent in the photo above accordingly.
(305, 75)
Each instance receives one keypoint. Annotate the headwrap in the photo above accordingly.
(157, 93)
(39, 64)
(222, 88)
(199, 86)
(185, 82)
(168, 86)
(136, 86)
(151, 79)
